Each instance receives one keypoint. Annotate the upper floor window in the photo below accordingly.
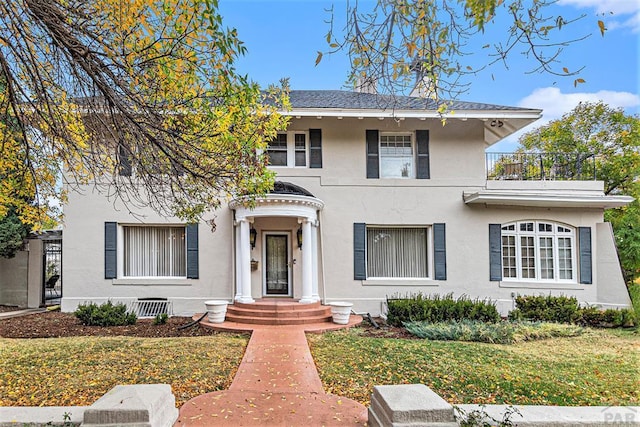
(401, 155)
(289, 149)
(396, 156)
(538, 251)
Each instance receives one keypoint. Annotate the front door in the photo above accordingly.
(277, 277)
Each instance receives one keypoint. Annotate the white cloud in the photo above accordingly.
(617, 7)
(615, 13)
(554, 104)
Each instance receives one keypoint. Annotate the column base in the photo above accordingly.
(245, 300)
(309, 300)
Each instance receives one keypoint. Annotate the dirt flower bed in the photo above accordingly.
(55, 324)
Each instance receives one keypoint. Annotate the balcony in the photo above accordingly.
(541, 166)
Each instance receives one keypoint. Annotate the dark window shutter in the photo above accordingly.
(495, 252)
(110, 250)
(373, 164)
(124, 161)
(192, 251)
(359, 254)
(315, 148)
(439, 252)
(584, 237)
(422, 144)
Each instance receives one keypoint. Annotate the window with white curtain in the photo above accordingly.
(538, 251)
(151, 251)
(397, 252)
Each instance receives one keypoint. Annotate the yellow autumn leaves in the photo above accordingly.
(152, 83)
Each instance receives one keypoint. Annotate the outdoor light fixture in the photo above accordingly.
(252, 237)
(299, 236)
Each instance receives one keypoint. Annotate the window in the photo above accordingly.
(151, 251)
(396, 156)
(538, 251)
(289, 149)
(397, 252)
(277, 150)
(301, 149)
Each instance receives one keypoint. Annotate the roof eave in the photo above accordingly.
(418, 114)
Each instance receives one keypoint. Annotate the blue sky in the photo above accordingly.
(283, 37)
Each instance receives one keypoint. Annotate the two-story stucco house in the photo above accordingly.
(375, 197)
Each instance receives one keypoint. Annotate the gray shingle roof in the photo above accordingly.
(339, 99)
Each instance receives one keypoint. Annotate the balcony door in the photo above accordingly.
(277, 271)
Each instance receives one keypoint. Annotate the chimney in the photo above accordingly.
(424, 87)
(366, 85)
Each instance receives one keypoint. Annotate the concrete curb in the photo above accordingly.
(416, 405)
(18, 313)
(140, 405)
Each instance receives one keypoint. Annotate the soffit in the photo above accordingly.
(546, 199)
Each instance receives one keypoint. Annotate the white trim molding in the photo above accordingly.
(545, 199)
(287, 205)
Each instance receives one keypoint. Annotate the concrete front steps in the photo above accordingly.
(278, 312)
(275, 312)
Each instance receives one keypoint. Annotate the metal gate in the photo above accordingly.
(52, 271)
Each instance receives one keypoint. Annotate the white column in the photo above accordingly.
(245, 262)
(307, 264)
(236, 230)
(314, 261)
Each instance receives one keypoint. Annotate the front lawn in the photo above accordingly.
(600, 367)
(78, 370)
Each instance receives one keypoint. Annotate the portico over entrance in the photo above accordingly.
(276, 242)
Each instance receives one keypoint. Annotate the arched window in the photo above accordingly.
(538, 251)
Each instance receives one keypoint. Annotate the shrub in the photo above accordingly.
(436, 308)
(634, 293)
(541, 308)
(160, 319)
(562, 309)
(107, 314)
(494, 333)
(610, 318)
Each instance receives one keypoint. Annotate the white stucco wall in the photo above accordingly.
(457, 165)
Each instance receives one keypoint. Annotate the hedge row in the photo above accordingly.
(563, 309)
(436, 308)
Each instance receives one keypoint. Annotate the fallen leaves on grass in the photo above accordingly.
(77, 371)
(597, 368)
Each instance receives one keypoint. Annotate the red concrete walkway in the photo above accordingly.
(277, 384)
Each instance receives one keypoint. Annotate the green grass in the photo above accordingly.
(600, 367)
(77, 371)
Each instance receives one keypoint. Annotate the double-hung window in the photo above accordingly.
(396, 156)
(289, 149)
(397, 252)
(538, 251)
(154, 251)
